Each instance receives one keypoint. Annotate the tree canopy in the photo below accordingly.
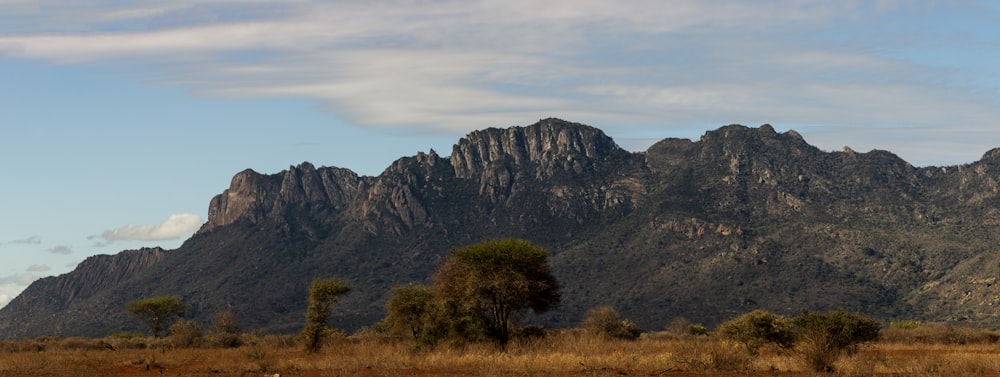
(502, 279)
(157, 312)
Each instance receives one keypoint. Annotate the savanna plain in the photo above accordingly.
(924, 350)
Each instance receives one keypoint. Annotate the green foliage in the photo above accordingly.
(157, 312)
(604, 321)
(757, 328)
(825, 336)
(323, 293)
(454, 321)
(500, 279)
(697, 329)
(409, 309)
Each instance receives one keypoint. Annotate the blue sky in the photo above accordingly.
(119, 120)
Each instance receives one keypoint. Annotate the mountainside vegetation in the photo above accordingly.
(744, 218)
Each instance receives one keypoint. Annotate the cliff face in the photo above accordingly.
(741, 219)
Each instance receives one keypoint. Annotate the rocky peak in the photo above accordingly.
(253, 196)
(546, 147)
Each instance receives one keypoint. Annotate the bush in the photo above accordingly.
(824, 337)
(757, 328)
(697, 329)
(185, 333)
(224, 331)
(604, 321)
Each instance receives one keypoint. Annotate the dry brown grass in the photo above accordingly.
(567, 353)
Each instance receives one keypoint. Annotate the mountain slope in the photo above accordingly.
(743, 218)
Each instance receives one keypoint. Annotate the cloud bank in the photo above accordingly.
(175, 226)
(458, 65)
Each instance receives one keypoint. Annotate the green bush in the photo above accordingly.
(697, 329)
(757, 328)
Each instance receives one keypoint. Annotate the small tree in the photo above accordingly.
(408, 310)
(824, 337)
(604, 321)
(157, 312)
(757, 328)
(323, 293)
(501, 279)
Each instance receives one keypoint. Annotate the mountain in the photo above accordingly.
(741, 219)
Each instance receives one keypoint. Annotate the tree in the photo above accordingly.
(501, 279)
(757, 328)
(323, 293)
(408, 310)
(825, 336)
(157, 312)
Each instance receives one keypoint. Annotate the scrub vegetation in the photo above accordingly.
(470, 322)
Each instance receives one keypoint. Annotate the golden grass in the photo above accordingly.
(567, 353)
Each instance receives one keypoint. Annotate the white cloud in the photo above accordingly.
(175, 226)
(458, 65)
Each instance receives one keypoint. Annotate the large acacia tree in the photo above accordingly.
(157, 312)
(501, 279)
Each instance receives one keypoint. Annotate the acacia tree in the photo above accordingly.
(157, 312)
(501, 279)
(323, 293)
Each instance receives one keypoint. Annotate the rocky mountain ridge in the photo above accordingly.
(743, 218)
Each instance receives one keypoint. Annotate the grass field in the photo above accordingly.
(925, 351)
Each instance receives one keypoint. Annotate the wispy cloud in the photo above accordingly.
(33, 240)
(456, 65)
(38, 268)
(175, 226)
(60, 249)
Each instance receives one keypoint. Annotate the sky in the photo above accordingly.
(120, 120)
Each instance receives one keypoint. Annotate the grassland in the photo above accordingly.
(924, 351)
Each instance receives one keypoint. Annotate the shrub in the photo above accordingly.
(185, 333)
(697, 329)
(604, 321)
(757, 328)
(224, 331)
(824, 337)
